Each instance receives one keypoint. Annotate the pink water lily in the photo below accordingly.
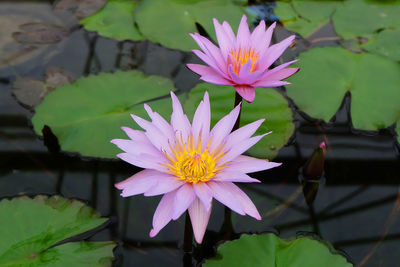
(243, 60)
(190, 164)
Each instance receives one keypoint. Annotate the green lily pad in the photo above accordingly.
(361, 18)
(88, 113)
(115, 20)
(328, 73)
(305, 17)
(385, 43)
(169, 22)
(268, 104)
(29, 229)
(270, 250)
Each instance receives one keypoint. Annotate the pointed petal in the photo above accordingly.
(266, 83)
(224, 41)
(155, 135)
(144, 160)
(240, 148)
(164, 186)
(225, 196)
(204, 193)
(276, 69)
(139, 182)
(199, 217)
(183, 199)
(262, 45)
(210, 62)
(136, 135)
(243, 34)
(163, 213)
(202, 70)
(179, 121)
(248, 164)
(201, 121)
(222, 128)
(274, 52)
(215, 80)
(160, 123)
(242, 133)
(234, 176)
(247, 204)
(213, 52)
(229, 32)
(247, 92)
(281, 74)
(136, 148)
(258, 33)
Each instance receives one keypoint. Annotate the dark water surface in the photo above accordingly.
(356, 208)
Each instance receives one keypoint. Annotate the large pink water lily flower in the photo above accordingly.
(190, 164)
(243, 60)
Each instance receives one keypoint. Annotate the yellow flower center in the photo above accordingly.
(190, 164)
(240, 56)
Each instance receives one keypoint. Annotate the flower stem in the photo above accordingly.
(188, 235)
(226, 231)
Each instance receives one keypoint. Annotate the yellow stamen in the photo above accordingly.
(190, 164)
(240, 56)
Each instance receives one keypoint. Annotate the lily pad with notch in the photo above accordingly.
(372, 80)
(88, 113)
(35, 231)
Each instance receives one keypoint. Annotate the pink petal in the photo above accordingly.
(224, 40)
(209, 61)
(248, 77)
(139, 182)
(240, 148)
(204, 193)
(136, 148)
(242, 133)
(202, 70)
(211, 50)
(262, 44)
(163, 213)
(223, 194)
(276, 69)
(243, 34)
(281, 74)
(222, 128)
(199, 217)
(160, 123)
(235, 78)
(183, 199)
(155, 135)
(246, 91)
(247, 204)
(257, 34)
(136, 135)
(168, 184)
(215, 80)
(229, 32)
(248, 164)
(144, 161)
(267, 83)
(201, 121)
(274, 52)
(179, 121)
(234, 176)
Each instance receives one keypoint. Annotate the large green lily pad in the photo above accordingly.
(29, 229)
(385, 43)
(361, 18)
(115, 20)
(169, 22)
(270, 250)
(328, 73)
(88, 113)
(305, 17)
(268, 104)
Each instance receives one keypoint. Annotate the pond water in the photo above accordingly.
(356, 208)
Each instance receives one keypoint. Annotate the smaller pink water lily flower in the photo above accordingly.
(242, 61)
(190, 164)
